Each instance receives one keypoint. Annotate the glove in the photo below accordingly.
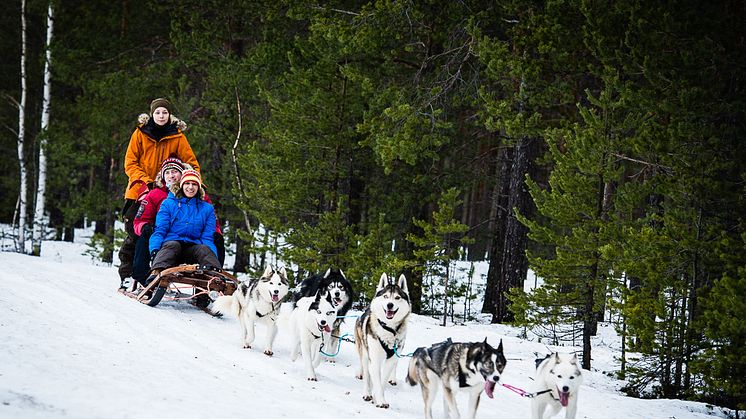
(152, 255)
(151, 186)
(147, 230)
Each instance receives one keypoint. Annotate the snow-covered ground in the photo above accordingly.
(72, 347)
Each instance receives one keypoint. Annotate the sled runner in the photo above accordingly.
(204, 280)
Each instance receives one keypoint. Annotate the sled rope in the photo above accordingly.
(339, 345)
(202, 291)
(348, 317)
(523, 393)
(396, 352)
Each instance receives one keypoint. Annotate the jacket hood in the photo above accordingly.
(144, 118)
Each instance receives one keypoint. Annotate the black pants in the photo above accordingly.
(127, 251)
(175, 252)
(141, 261)
(219, 241)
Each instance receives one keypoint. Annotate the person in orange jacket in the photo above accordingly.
(158, 136)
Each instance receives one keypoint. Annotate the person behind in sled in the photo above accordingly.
(169, 175)
(144, 223)
(159, 135)
(184, 228)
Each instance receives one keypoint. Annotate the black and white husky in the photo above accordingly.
(256, 300)
(334, 281)
(339, 288)
(557, 382)
(379, 333)
(472, 367)
(311, 324)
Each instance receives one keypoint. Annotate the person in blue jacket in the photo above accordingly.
(184, 228)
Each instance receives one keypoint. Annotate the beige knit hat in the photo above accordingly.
(160, 102)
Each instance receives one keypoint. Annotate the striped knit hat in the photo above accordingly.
(190, 174)
(171, 163)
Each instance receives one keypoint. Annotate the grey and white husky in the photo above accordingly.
(472, 367)
(311, 324)
(557, 382)
(379, 333)
(256, 300)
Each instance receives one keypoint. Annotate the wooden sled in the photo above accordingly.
(202, 279)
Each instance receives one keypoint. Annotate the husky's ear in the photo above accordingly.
(328, 271)
(342, 273)
(403, 283)
(500, 346)
(574, 359)
(283, 273)
(268, 271)
(318, 296)
(383, 282)
(557, 358)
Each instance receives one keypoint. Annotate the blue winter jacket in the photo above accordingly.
(184, 219)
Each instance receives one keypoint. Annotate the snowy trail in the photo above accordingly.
(73, 347)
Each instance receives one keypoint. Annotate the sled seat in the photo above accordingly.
(203, 279)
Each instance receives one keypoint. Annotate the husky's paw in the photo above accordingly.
(368, 398)
(312, 379)
(383, 405)
(392, 382)
(246, 346)
(268, 352)
(331, 361)
(359, 376)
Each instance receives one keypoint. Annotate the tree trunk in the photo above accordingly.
(39, 226)
(498, 215)
(514, 264)
(589, 320)
(21, 237)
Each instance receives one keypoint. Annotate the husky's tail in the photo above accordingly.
(226, 304)
(412, 372)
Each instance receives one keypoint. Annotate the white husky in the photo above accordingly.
(311, 324)
(256, 300)
(557, 383)
(380, 333)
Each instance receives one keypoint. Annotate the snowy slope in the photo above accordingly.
(73, 347)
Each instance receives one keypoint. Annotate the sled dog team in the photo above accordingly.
(380, 332)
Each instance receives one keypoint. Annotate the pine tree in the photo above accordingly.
(440, 242)
(579, 221)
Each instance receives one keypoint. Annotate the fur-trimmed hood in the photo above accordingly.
(144, 118)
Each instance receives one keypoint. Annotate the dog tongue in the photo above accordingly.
(563, 398)
(327, 329)
(489, 387)
(275, 298)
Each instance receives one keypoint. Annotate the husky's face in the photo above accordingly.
(336, 286)
(391, 302)
(490, 362)
(565, 375)
(322, 313)
(273, 285)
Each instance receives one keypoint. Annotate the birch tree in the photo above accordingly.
(39, 224)
(21, 237)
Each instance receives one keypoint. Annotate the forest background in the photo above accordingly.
(598, 143)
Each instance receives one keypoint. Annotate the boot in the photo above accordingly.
(153, 275)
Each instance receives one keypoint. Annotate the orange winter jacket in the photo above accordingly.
(145, 155)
